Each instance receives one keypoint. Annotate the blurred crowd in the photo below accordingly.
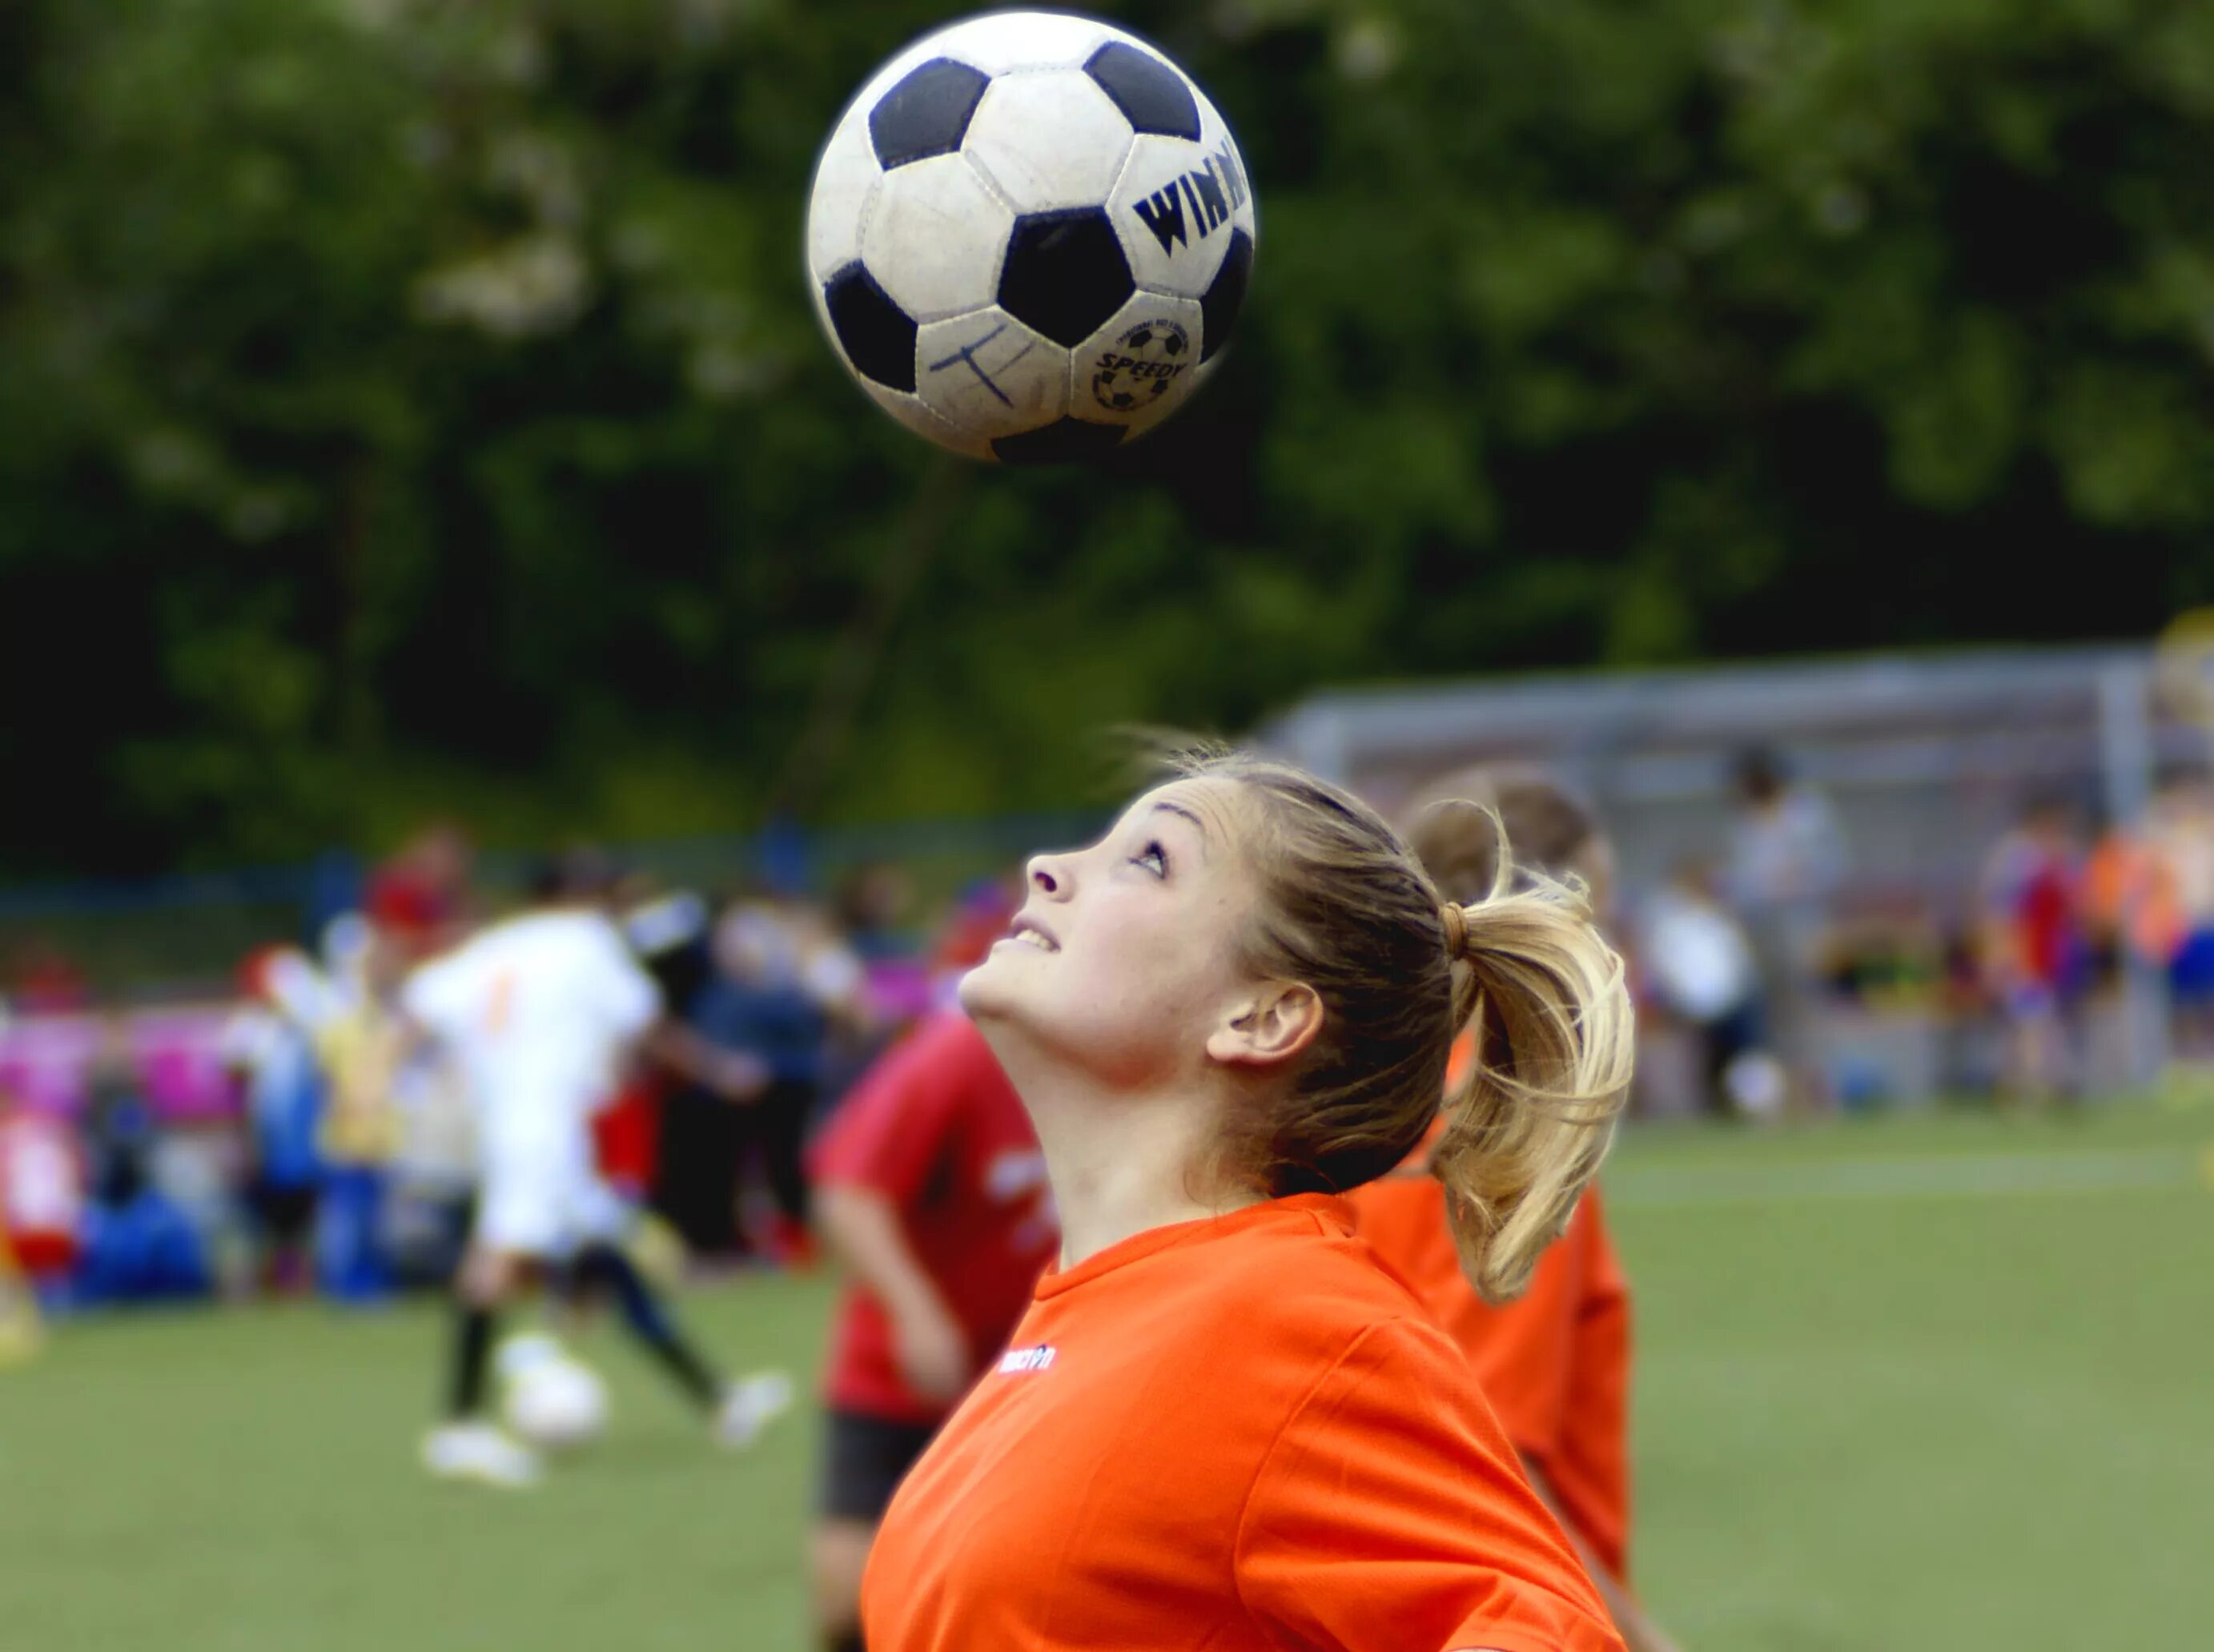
(303, 1135)
(1757, 955)
(297, 1137)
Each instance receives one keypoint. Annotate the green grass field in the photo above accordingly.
(1944, 1382)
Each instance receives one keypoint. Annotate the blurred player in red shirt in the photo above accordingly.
(930, 1186)
(1554, 1362)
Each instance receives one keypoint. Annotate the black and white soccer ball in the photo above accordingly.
(1029, 236)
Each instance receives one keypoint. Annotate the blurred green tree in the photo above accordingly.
(414, 406)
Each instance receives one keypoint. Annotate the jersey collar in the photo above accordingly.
(1326, 1211)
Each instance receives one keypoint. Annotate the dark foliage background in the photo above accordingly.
(410, 405)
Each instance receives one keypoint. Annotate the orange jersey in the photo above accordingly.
(1235, 1433)
(1555, 1363)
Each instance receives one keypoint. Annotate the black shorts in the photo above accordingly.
(864, 1460)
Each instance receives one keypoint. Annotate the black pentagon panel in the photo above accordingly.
(1225, 295)
(876, 334)
(1153, 95)
(1068, 442)
(1065, 273)
(927, 113)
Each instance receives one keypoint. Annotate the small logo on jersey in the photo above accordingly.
(1016, 1361)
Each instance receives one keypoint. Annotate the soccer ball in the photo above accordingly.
(550, 1398)
(1030, 237)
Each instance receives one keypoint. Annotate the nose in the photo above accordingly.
(1049, 875)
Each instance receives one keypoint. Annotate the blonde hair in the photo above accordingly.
(1348, 909)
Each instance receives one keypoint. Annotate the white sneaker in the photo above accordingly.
(478, 1452)
(750, 1404)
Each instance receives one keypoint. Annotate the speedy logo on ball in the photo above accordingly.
(1139, 366)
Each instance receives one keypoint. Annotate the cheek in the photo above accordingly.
(1151, 963)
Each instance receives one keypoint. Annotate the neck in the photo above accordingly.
(1121, 1161)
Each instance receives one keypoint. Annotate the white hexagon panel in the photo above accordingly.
(935, 237)
(1139, 367)
(845, 177)
(1092, 139)
(988, 373)
(1001, 42)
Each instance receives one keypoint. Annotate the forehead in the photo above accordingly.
(1217, 804)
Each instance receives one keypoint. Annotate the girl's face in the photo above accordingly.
(1124, 962)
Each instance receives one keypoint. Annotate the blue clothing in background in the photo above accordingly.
(350, 1262)
(779, 1023)
(143, 1250)
(286, 1104)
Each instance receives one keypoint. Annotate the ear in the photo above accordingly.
(1271, 1024)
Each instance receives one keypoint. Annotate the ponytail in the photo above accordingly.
(1546, 1000)
(1348, 907)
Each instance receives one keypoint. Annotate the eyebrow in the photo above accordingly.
(1198, 825)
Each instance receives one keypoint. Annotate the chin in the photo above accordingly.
(983, 992)
(1006, 988)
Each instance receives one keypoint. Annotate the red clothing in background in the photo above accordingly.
(935, 1127)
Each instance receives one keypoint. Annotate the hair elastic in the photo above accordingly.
(1454, 917)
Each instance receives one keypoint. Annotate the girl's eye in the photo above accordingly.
(1155, 859)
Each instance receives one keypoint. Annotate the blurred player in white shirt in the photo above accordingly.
(539, 1015)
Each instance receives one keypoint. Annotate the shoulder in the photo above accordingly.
(1307, 1292)
(1409, 1198)
(1386, 1377)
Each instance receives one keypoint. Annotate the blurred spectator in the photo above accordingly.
(764, 983)
(872, 903)
(2036, 944)
(698, 1137)
(2131, 899)
(1701, 969)
(360, 1046)
(2179, 833)
(42, 1196)
(139, 1244)
(668, 931)
(1787, 859)
(274, 1054)
(118, 1122)
(783, 979)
